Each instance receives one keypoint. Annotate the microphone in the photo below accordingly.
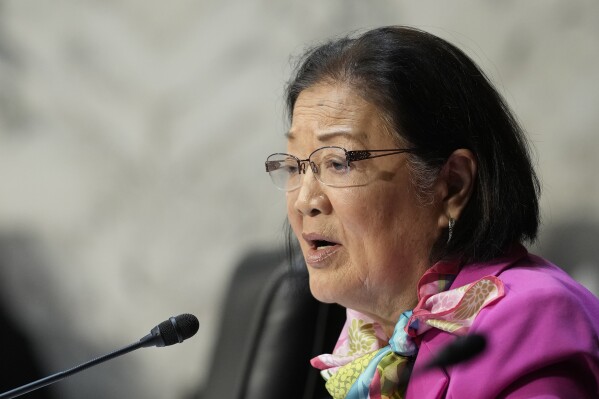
(169, 332)
(172, 331)
(460, 350)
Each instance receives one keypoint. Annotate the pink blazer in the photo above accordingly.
(542, 338)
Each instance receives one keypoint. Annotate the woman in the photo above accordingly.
(410, 189)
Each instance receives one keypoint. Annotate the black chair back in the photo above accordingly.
(271, 328)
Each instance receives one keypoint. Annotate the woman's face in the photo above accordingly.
(365, 247)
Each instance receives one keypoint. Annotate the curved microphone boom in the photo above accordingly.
(172, 331)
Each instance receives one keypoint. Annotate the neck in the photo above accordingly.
(388, 323)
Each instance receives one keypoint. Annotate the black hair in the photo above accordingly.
(437, 100)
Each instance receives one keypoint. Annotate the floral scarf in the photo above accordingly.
(366, 364)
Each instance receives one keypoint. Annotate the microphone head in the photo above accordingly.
(172, 331)
(177, 329)
(189, 325)
(460, 350)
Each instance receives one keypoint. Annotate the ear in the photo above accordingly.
(456, 183)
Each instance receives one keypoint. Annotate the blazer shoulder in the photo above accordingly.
(545, 321)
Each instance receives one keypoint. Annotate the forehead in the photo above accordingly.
(336, 112)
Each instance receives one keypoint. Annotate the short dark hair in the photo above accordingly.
(437, 100)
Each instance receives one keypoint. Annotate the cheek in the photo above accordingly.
(372, 215)
(382, 226)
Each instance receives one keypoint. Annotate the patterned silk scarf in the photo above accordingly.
(365, 364)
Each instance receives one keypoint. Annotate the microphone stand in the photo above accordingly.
(32, 386)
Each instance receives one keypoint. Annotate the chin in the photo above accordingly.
(324, 291)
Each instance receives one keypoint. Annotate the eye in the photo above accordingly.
(336, 164)
(290, 168)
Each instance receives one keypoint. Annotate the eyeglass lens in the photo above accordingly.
(329, 164)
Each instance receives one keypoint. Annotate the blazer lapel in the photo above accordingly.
(429, 383)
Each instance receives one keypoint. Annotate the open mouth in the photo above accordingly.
(317, 241)
(321, 248)
(318, 244)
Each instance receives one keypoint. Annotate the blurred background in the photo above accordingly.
(132, 140)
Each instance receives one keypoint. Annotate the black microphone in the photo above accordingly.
(172, 331)
(460, 350)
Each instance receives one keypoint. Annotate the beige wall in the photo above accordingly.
(132, 141)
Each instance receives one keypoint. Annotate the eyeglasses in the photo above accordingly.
(332, 166)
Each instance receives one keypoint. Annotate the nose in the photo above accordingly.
(310, 198)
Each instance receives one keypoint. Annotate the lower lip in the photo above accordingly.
(317, 257)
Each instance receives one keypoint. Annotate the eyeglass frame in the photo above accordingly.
(350, 156)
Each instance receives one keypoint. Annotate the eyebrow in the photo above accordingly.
(327, 136)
